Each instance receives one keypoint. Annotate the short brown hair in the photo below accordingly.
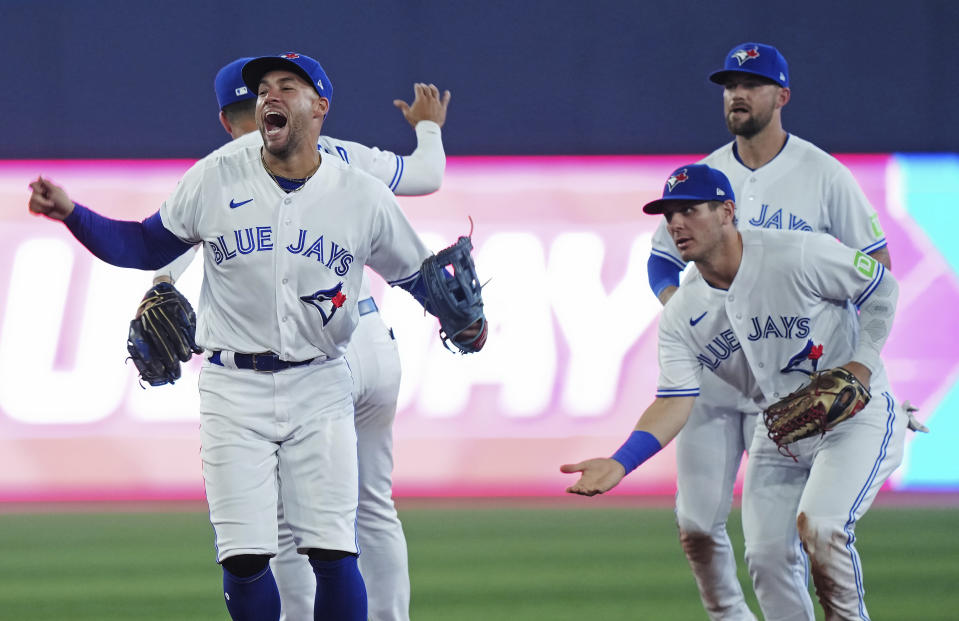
(239, 111)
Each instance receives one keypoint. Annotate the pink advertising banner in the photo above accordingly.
(569, 366)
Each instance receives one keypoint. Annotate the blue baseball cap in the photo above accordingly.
(694, 182)
(304, 66)
(756, 59)
(229, 85)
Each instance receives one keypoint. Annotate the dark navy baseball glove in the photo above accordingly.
(455, 297)
(162, 335)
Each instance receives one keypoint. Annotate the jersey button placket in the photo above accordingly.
(285, 296)
(731, 307)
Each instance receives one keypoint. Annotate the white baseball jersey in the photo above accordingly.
(282, 271)
(783, 317)
(416, 174)
(803, 188)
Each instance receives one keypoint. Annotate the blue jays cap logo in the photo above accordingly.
(326, 301)
(742, 55)
(676, 179)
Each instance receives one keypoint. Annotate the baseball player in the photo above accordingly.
(764, 309)
(285, 233)
(783, 183)
(371, 354)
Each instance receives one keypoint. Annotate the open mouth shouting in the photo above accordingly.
(273, 122)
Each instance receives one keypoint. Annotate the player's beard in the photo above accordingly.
(754, 123)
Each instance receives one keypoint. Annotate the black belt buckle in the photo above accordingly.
(265, 362)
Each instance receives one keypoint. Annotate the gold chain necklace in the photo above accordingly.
(301, 182)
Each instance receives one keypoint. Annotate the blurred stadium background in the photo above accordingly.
(565, 118)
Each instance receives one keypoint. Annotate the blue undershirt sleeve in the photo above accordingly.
(662, 273)
(417, 288)
(146, 245)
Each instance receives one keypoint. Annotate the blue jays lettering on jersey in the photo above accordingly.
(260, 239)
(279, 275)
(719, 349)
(781, 327)
(768, 219)
(327, 253)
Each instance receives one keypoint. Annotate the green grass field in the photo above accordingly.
(470, 562)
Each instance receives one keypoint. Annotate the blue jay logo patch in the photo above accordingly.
(743, 55)
(676, 179)
(326, 301)
(811, 353)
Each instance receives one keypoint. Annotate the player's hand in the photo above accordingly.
(427, 105)
(913, 423)
(599, 476)
(49, 199)
(471, 332)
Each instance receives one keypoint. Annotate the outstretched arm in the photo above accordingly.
(145, 245)
(658, 425)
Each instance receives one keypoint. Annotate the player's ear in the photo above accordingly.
(729, 209)
(783, 97)
(321, 105)
(225, 123)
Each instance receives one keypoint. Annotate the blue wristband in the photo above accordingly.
(640, 446)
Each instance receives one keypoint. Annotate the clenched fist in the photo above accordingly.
(49, 199)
